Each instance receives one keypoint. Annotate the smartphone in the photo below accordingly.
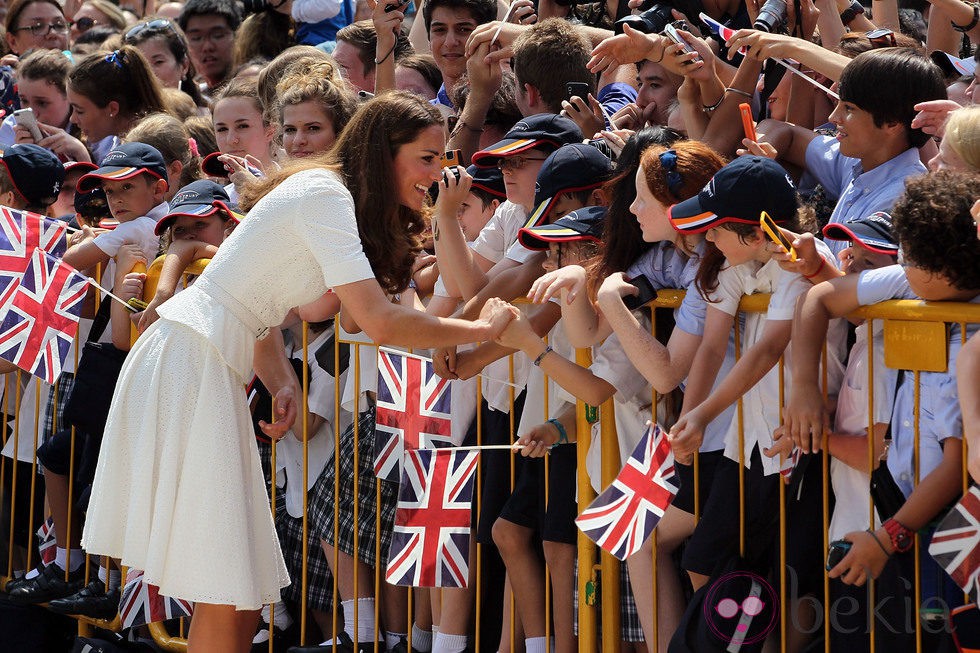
(747, 123)
(838, 549)
(775, 235)
(573, 89)
(452, 158)
(671, 32)
(25, 118)
(647, 293)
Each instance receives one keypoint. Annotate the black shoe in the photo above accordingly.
(92, 601)
(14, 583)
(49, 585)
(402, 646)
(345, 645)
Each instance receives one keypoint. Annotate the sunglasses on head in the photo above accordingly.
(156, 25)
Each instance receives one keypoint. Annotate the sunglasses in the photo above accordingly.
(156, 25)
(668, 161)
(516, 162)
(84, 24)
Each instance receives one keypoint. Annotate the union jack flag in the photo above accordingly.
(412, 410)
(46, 542)
(141, 603)
(431, 540)
(621, 518)
(21, 232)
(41, 317)
(956, 542)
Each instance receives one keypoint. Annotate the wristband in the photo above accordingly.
(972, 24)
(562, 434)
(819, 269)
(738, 91)
(877, 541)
(385, 58)
(708, 109)
(849, 14)
(537, 361)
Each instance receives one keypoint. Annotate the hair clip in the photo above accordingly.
(668, 161)
(192, 144)
(115, 57)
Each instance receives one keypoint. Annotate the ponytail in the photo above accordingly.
(121, 76)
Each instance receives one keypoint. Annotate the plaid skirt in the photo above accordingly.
(630, 629)
(58, 395)
(322, 501)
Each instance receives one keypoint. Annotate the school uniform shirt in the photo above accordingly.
(939, 406)
(139, 231)
(493, 243)
(851, 485)
(665, 266)
(860, 193)
(321, 401)
(760, 407)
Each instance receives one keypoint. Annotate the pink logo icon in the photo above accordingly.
(741, 608)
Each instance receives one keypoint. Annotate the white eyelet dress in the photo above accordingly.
(178, 491)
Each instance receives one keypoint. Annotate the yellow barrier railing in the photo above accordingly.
(593, 570)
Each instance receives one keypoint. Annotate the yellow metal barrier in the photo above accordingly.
(917, 350)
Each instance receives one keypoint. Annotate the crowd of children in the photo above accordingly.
(604, 154)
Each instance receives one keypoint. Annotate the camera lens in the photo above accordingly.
(651, 21)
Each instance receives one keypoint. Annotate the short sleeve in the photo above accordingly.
(728, 294)
(611, 364)
(691, 315)
(789, 287)
(490, 243)
(327, 225)
(519, 253)
(825, 162)
(882, 284)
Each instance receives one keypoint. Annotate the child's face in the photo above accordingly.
(736, 248)
(134, 197)
(565, 204)
(95, 122)
(473, 217)
(238, 129)
(49, 104)
(562, 254)
(520, 174)
(948, 159)
(650, 212)
(856, 259)
(209, 229)
(856, 130)
(306, 129)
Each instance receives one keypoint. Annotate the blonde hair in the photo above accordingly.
(963, 135)
(319, 82)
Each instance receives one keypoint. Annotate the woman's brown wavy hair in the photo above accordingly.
(364, 156)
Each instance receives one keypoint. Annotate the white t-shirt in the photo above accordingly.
(139, 232)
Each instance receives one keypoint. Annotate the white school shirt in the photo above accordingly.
(760, 403)
(496, 237)
(851, 485)
(138, 231)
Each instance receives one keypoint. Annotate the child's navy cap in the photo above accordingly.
(873, 232)
(36, 172)
(739, 192)
(569, 169)
(200, 198)
(489, 180)
(125, 162)
(581, 224)
(542, 130)
(83, 166)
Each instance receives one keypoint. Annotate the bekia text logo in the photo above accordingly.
(741, 608)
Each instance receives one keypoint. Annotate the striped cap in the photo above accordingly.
(739, 192)
(125, 162)
(544, 130)
(581, 224)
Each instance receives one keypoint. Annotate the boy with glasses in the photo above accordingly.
(210, 26)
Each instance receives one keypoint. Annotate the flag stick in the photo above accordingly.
(482, 447)
(109, 294)
(793, 70)
(493, 40)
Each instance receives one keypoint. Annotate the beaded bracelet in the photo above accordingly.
(562, 434)
(537, 361)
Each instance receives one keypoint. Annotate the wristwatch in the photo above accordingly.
(848, 14)
(901, 537)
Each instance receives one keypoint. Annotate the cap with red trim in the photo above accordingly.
(124, 162)
(201, 198)
(80, 166)
(873, 232)
(569, 169)
(581, 224)
(36, 172)
(543, 130)
(489, 180)
(739, 192)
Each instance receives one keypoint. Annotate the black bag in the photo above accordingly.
(885, 493)
(737, 607)
(87, 407)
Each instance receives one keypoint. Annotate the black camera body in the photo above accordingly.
(650, 20)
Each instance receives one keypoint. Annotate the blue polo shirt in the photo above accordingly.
(860, 193)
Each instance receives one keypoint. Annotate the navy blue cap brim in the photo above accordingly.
(837, 231)
(111, 173)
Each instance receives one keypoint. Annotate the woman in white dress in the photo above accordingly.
(178, 491)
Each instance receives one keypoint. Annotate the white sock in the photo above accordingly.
(33, 573)
(77, 559)
(536, 645)
(449, 643)
(391, 639)
(421, 639)
(102, 574)
(365, 620)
